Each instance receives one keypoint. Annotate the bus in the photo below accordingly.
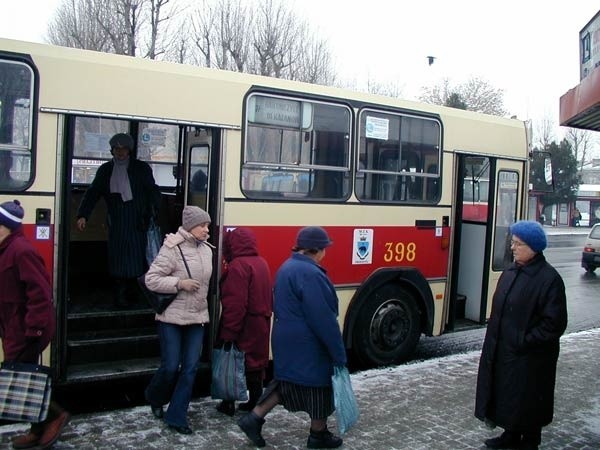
(387, 178)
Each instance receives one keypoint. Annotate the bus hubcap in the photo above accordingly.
(390, 326)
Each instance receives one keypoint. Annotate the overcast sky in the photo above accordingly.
(528, 48)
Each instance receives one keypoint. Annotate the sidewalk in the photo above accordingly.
(421, 406)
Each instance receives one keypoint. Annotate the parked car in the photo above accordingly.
(590, 258)
(585, 220)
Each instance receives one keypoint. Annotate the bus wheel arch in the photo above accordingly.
(387, 316)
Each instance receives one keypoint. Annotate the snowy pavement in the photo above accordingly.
(421, 406)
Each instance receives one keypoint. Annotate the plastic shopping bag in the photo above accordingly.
(154, 241)
(228, 374)
(346, 408)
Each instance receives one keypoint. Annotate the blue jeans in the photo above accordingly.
(180, 349)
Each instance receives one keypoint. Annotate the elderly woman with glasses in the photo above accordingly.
(517, 369)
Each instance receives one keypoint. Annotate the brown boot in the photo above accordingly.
(53, 428)
(28, 440)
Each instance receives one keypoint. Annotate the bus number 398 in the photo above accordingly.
(399, 251)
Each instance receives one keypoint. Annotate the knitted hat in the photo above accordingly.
(192, 217)
(313, 238)
(531, 233)
(11, 214)
(121, 140)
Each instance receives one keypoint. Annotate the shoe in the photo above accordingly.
(323, 439)
(28, 440)
(528, 446)
(53, 429)
(181, 430)
(157, 411)
(508, 439)
(251, 424)
(226, 407)
(246, 406)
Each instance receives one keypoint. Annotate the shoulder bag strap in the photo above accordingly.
(184, 261)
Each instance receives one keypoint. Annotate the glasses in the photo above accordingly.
(516, 243)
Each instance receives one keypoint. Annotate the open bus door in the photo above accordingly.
(487, 202)
(96, 339)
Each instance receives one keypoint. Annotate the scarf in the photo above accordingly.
(119, 180)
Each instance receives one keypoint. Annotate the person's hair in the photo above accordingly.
(312, 251)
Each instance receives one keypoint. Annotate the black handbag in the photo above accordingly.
(157, 300)
(25, 390)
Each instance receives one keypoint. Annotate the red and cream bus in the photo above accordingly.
(385, 177)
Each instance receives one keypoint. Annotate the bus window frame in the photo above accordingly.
(31, 147)
(295, 170)
(400, 175)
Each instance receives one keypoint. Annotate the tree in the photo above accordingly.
(272, 41)
(455, 101)
(564, 173)
(581, 141)
(476, 93)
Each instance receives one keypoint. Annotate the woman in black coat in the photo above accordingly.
(517, 370)
(127, 185)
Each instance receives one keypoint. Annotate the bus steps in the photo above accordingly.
(110, 370)
(115, 342)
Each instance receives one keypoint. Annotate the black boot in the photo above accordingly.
(508, 439)
(531, 439)
(120, 293)
(226, 407)
(255, 390)
(323, 439)
(251, 424)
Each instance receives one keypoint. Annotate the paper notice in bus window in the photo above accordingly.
(377, 128)
(363, 246)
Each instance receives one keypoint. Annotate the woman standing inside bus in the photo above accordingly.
(307, 343)
(181, 325)
(517, 370)
(132, 197)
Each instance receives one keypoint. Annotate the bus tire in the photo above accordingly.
(388, 327)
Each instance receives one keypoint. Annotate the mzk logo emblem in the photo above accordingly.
(363, 243)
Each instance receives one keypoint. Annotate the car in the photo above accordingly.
(590, 258)
(585, 220)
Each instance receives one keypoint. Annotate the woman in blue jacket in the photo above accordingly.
(306, 342)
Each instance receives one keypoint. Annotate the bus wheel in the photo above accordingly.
(388, 327)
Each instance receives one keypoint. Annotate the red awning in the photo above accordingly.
(580, 106)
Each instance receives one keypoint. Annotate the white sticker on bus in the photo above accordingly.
(42, 233)
(363, 246)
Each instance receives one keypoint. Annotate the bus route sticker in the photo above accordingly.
(363, 246)
(42, 233)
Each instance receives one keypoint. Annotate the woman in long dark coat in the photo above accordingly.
(517, 370)
(247, 305)
(127, 185)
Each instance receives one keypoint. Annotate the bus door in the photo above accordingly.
(100, 339)
(202, 188)
(487, 202)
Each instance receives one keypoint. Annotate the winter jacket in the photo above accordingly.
(246, 298)
(26, 310)
(168, 268)
(127, 221)
(517, 369)
(306, 341)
